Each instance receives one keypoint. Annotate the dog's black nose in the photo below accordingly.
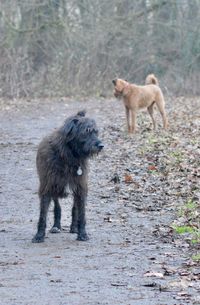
(100, 146)
(114, 81)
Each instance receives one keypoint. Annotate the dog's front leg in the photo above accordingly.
(133, 124)
(80, 196)
(128, 119)
(57, 217)
(74, 224)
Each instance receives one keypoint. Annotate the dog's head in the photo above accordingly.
(121, 87)
(81, 135)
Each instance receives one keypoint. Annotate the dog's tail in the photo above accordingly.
(151, 79)
(81, 113)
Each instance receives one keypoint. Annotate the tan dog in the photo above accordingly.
(137, 97)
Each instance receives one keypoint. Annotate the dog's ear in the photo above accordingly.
(81, 113)
(69, 128)
(126, 91)
(114, 81)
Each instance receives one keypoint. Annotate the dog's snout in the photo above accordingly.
(114, 81)
(100, 145)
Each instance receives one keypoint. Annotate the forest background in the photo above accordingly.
(76, 47)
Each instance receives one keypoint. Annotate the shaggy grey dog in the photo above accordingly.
(61, 162)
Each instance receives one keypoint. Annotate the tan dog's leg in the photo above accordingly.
(161, 108)
(133, 125)
(150, 110)
(128, 119)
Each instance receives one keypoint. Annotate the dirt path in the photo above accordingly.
(131, 257)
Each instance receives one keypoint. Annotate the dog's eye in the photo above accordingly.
(91, 130)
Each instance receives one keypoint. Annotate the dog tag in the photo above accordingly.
(79, 171)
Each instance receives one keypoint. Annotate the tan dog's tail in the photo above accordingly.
(151, 79)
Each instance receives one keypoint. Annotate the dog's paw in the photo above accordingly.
(73, 229)
(38, 239)
(82, 237)
(55, 230)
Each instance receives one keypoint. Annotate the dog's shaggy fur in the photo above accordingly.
(62, 162)
(136, 97)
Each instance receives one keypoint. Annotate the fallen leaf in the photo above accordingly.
(154, 274)
(153, 284)
(152, 168)
(56, 281)
(128, 178)
(108, 219)
(119, 284)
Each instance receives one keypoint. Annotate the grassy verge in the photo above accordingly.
(187, 225)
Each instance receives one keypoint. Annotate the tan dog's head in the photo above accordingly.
(151, 79)
(121, 87)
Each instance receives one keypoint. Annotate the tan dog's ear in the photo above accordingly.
(127, 90)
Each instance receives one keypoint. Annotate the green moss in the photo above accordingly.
(184, 229)
(196, 257)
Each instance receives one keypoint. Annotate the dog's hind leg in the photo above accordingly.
(150, 110)
(74, 224)
(44, 206)
(57, 217)
(161, 109)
